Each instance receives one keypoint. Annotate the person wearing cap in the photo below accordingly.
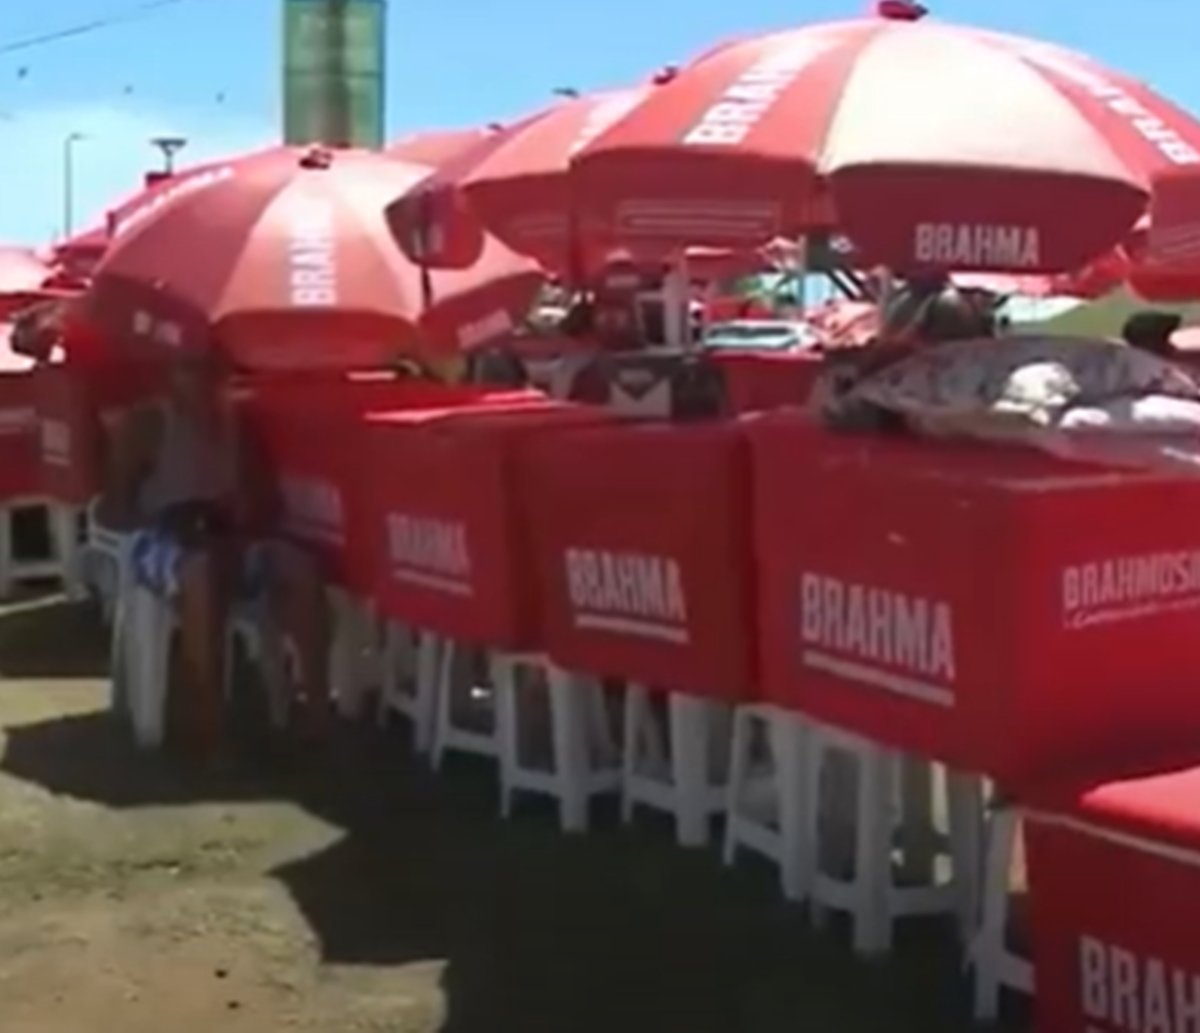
(1151, 331)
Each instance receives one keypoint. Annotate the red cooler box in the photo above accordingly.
(760, 381)
(991, 607)
(314, 434)
(77, 407)
(643, 541)
(19, 473)
(450, 520)
(1114, 877)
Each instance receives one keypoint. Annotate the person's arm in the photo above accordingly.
(130, 459)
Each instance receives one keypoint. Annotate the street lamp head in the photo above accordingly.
(169, 146)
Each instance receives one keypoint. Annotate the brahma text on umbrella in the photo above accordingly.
(1123, 992)
(312, 254)
(627, 592)
(977, 245)
(752, 94)
(875, 636)
(430, 552)
(1166, 139)
(169, 194)
(1130, 587)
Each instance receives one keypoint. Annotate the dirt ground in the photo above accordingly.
(357, 893)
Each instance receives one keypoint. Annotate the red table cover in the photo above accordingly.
(313, 431)
(643, 541)
(992, 607)
(1114, 876)
(77, 405)
(451, 521)
(760, 381)
(19, 474)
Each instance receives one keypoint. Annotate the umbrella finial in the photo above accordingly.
(317, 156)
(900, 10)
(664, 75)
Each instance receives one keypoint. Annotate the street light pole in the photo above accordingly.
(69, 143)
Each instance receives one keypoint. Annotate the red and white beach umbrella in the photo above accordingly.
(929, 144)
(436, 147)
(515, 182)
(284, 259)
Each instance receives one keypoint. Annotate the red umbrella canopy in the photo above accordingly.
(23, 274)
(516, 182)
(1167, 266)
(21, 269)
(437, 147)
(283, 258)
(936, 146)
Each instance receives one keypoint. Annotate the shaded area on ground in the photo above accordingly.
(412, 880)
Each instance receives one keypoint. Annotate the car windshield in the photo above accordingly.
(762, 335)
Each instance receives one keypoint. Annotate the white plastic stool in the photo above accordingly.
(870, 894)
(995, 964)
(456, 685)
(12, 569)
(143, 634)
(583, 764)
(65, 531)
(767, 794)
(100, 561)
(676, 775)
(354, 653)
(411, 668)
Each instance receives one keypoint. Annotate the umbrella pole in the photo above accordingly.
(427, 298)
(676, 297)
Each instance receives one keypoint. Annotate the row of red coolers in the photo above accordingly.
(997, 609)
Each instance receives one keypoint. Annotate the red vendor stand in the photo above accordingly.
(451, 520)
(760, 381)
(994, 608)
(644, 551)
(1114, 875)
(77, 407)
(313, 431)
(19, 475)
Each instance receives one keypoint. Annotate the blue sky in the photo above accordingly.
(209, 69)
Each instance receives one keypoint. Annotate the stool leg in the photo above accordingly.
(990, 942)
(447, 669)
(790, 746)
(571, 748)
(508, 733)
(6, 552)
(429, 654)
(919, 836)
(65, 521)
(814, 786)
(965, 801)
(634, 718)
(873, 860)
(393, 656)
(739, 773)
(689, 718)
(150, 622)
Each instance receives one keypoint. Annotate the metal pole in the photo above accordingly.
(69, 143)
